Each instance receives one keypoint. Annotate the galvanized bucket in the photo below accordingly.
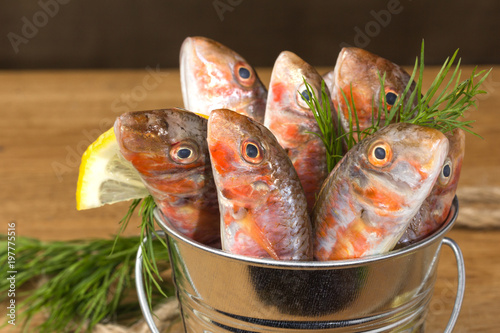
(221, 292)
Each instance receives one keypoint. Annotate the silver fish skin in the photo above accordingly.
(369, 198)
(213, 76)
(262, 203)
(292, 122)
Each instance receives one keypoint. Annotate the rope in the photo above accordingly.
(167, 319)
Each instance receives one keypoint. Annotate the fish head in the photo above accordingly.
(241, 153)
(401, 163)
(450, 172)
(214, 76)
(160, 142)
(287, 89)
(439, 201)
(357, 75)
(287, 113)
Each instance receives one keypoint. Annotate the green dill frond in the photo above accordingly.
(444, 103)
(150, 269)
(441, 107)
(78, 283)
(323, 115)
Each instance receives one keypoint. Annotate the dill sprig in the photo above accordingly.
(77, 283)
(150, 269)
(332, 134)
(441, 107)
(323, 114)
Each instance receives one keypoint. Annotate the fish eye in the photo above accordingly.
(445, 176)
(184, 153)
(244, 74)
(380, 154)
(390, 98)
(303, 95)
(252, 152)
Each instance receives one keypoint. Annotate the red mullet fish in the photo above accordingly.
(214, 76)
(436, 207)
(369, 198)
(292, 122)
(169, 150)
(360, 70)
(263, 206)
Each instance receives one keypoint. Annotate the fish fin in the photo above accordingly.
(260, 238)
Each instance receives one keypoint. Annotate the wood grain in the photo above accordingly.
(49, 117)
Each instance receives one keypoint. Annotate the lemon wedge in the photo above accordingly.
(105, 176)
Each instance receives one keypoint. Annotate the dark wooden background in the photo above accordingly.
(135, 34)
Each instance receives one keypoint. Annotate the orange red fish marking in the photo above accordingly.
(278, 89)
(379, 197)
(223, 157)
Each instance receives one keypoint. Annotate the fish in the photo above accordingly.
(292, 122)
(436, 207)
(369, 198)
(214, 77)
(360, 69)
(263, 206)
(169, 150)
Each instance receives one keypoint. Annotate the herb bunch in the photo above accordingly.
(77, 283)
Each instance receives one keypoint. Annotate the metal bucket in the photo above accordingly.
(221, 292)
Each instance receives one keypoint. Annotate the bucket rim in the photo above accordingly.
(290, 264)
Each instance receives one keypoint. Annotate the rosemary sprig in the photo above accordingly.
(85, 284)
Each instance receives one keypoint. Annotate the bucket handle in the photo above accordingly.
(139, 285)
(460, 284)
(141, 294)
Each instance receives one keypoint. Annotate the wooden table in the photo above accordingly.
(48, 118)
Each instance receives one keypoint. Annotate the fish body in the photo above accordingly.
(262, 203)
(436, 206)
(292, 121)
(169, 150)
(362, 70)
(369, 198)
(214, 76)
